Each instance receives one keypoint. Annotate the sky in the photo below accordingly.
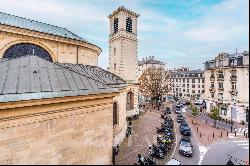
(177, 32)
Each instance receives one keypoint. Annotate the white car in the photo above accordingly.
(198, 102)
(173, 162)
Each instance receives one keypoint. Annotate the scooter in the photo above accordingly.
(145, 161)
(156, 152)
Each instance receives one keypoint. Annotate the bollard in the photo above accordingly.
(213, 135)
(234, 133)
(197, 129)
(206, 120)
(227, 133)
(192, 122)
(221, 134)
(244, 133)
(200, 134)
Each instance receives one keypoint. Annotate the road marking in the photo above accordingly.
(203, 150)
(245, 147)
(243, 144)
(241, 141)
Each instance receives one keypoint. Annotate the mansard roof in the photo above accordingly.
(31, 77)
(24, 23)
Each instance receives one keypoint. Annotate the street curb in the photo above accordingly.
(175, 140)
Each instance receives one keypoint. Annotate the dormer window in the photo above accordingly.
(129, 24)
(116, 25)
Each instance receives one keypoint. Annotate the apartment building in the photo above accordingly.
(187, 84)
(144, 64)
(227, 85)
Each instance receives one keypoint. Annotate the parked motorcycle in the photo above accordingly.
(154, 151)
(145, 161)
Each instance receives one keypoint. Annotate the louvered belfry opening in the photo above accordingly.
(26, 49)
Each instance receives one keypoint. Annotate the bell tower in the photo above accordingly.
(123, 44)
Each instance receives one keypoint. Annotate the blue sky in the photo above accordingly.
(178, 32)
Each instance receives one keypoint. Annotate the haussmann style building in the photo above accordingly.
(227, 85)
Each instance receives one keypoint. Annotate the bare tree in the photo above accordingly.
(154, 82)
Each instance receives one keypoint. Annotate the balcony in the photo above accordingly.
(233, 78)
(220, 89)
(212, 89)
(233, 91)
(212, 78)
(220, 78)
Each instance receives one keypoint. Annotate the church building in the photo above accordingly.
(56, 105)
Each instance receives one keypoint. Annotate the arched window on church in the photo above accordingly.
(129, 24)
(116, 25)
(115, 113)
(130, 101)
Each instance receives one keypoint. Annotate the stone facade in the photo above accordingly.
(188, 84)
(73, 130)
(123, 44)
(227, 85)
(144, 64)
(62, 50)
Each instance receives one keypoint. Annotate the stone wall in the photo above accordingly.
(79, 132)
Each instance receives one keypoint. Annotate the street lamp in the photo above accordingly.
(232, 108)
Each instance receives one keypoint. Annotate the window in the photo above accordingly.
(130, 101)
(220, 96)
(199, 80)
(202, 86)
(199, 86)
(183, 80)
(220, 85)
(187, 80)
(212, 95)
(183, 90)
(116, 25)
(129, 24)
(212, 85)
(203, 81)
(114, 66)
(187, 85)
(233, 85)
(202, 91)
(193, 85)
(115, 113)
(199, 91)
(193, 80)
(233, 98)
(193, 91)
(187, 90)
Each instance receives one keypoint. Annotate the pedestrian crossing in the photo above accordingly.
(243, 143)
(241, 131)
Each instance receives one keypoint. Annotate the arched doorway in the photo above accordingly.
(130, 101)
(26, 49)
(115, 114)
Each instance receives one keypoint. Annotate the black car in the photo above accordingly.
(179, 115)
(186, 147)
(180, 119)
(168, 110)
(185, 129)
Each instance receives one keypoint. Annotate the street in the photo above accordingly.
(194, 160)
(235, 148)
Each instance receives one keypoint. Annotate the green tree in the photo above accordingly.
(194, 111)
(215, 114)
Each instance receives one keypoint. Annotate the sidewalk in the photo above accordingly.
(206, 133)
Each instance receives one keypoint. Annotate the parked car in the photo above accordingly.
(186, 147)
(177, 110)
(198, 102)
(179, 115)
(168, 110)
(185, 129)
(173, 162)
(180, 119)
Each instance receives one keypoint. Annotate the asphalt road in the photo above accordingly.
(235, 148)
(194, 160)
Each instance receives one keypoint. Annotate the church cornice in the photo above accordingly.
(50, 37)
(122, 8)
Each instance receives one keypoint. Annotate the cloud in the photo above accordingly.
(175, 31)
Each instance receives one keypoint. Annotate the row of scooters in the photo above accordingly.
(164, 142)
